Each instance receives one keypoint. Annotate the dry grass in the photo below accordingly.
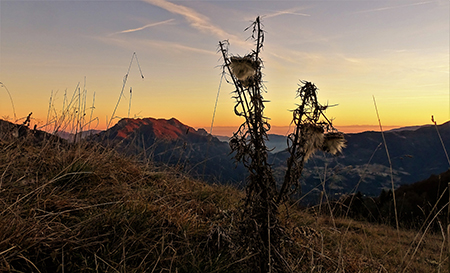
(345, 245)
(85, 208)
(71, 208)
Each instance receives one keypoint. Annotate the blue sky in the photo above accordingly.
(396, 51)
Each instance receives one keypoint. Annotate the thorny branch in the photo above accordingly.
(313, 131)
(248, 144)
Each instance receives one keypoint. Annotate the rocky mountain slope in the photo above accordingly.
(415, 154)
(364, 164)
(174, 143)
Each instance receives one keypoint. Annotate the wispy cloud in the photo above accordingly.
(163, 46)
(295, 56)
(143, 27)
(178, 47)
(393, 7)
(293, 11)
(195, 19)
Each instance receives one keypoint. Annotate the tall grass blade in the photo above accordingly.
(390, 166)
(11, 100)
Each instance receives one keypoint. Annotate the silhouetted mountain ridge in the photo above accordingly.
(363, 166)
(174, 143)
(161, 129)
(414, 154)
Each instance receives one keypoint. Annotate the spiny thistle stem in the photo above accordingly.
(313, 131)
(249, 145)
(258, 41)
(291, 160)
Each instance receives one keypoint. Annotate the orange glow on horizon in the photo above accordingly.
(285, 130)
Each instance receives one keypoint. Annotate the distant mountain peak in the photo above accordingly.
(417, 127)
(170, 142)
(164, 129)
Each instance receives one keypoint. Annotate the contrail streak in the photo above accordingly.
(144, 27)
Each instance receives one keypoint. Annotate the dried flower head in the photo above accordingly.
(243, 68)
(333, 143)
(314, 139)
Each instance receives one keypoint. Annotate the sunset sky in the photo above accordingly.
(395, 51)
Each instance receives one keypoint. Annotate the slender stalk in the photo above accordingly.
(49, 109)
(83, 108)
(129, 106)
(92, 110)
(12, 102)
(440, 138)
(390, 167)
(125, 78)
(215, 105)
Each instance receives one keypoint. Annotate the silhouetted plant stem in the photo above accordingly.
(390, 168)
(125, 78)
(440, 138)
(11, 99)
(313, 131)
(249, 145)
(290, 177)
(259, 226)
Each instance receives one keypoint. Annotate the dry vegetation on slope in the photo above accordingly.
(72, 208)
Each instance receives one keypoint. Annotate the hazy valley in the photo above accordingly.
(415, 153)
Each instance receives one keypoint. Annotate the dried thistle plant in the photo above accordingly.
(262, 234)
(248, 142)
(259, 220)
(313, 132)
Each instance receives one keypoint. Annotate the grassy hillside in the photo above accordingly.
(83, 208)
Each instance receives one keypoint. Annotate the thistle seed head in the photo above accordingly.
(243, 68)
(334, 143)
(314, 139)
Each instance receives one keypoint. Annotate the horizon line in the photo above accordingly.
(285, 130)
